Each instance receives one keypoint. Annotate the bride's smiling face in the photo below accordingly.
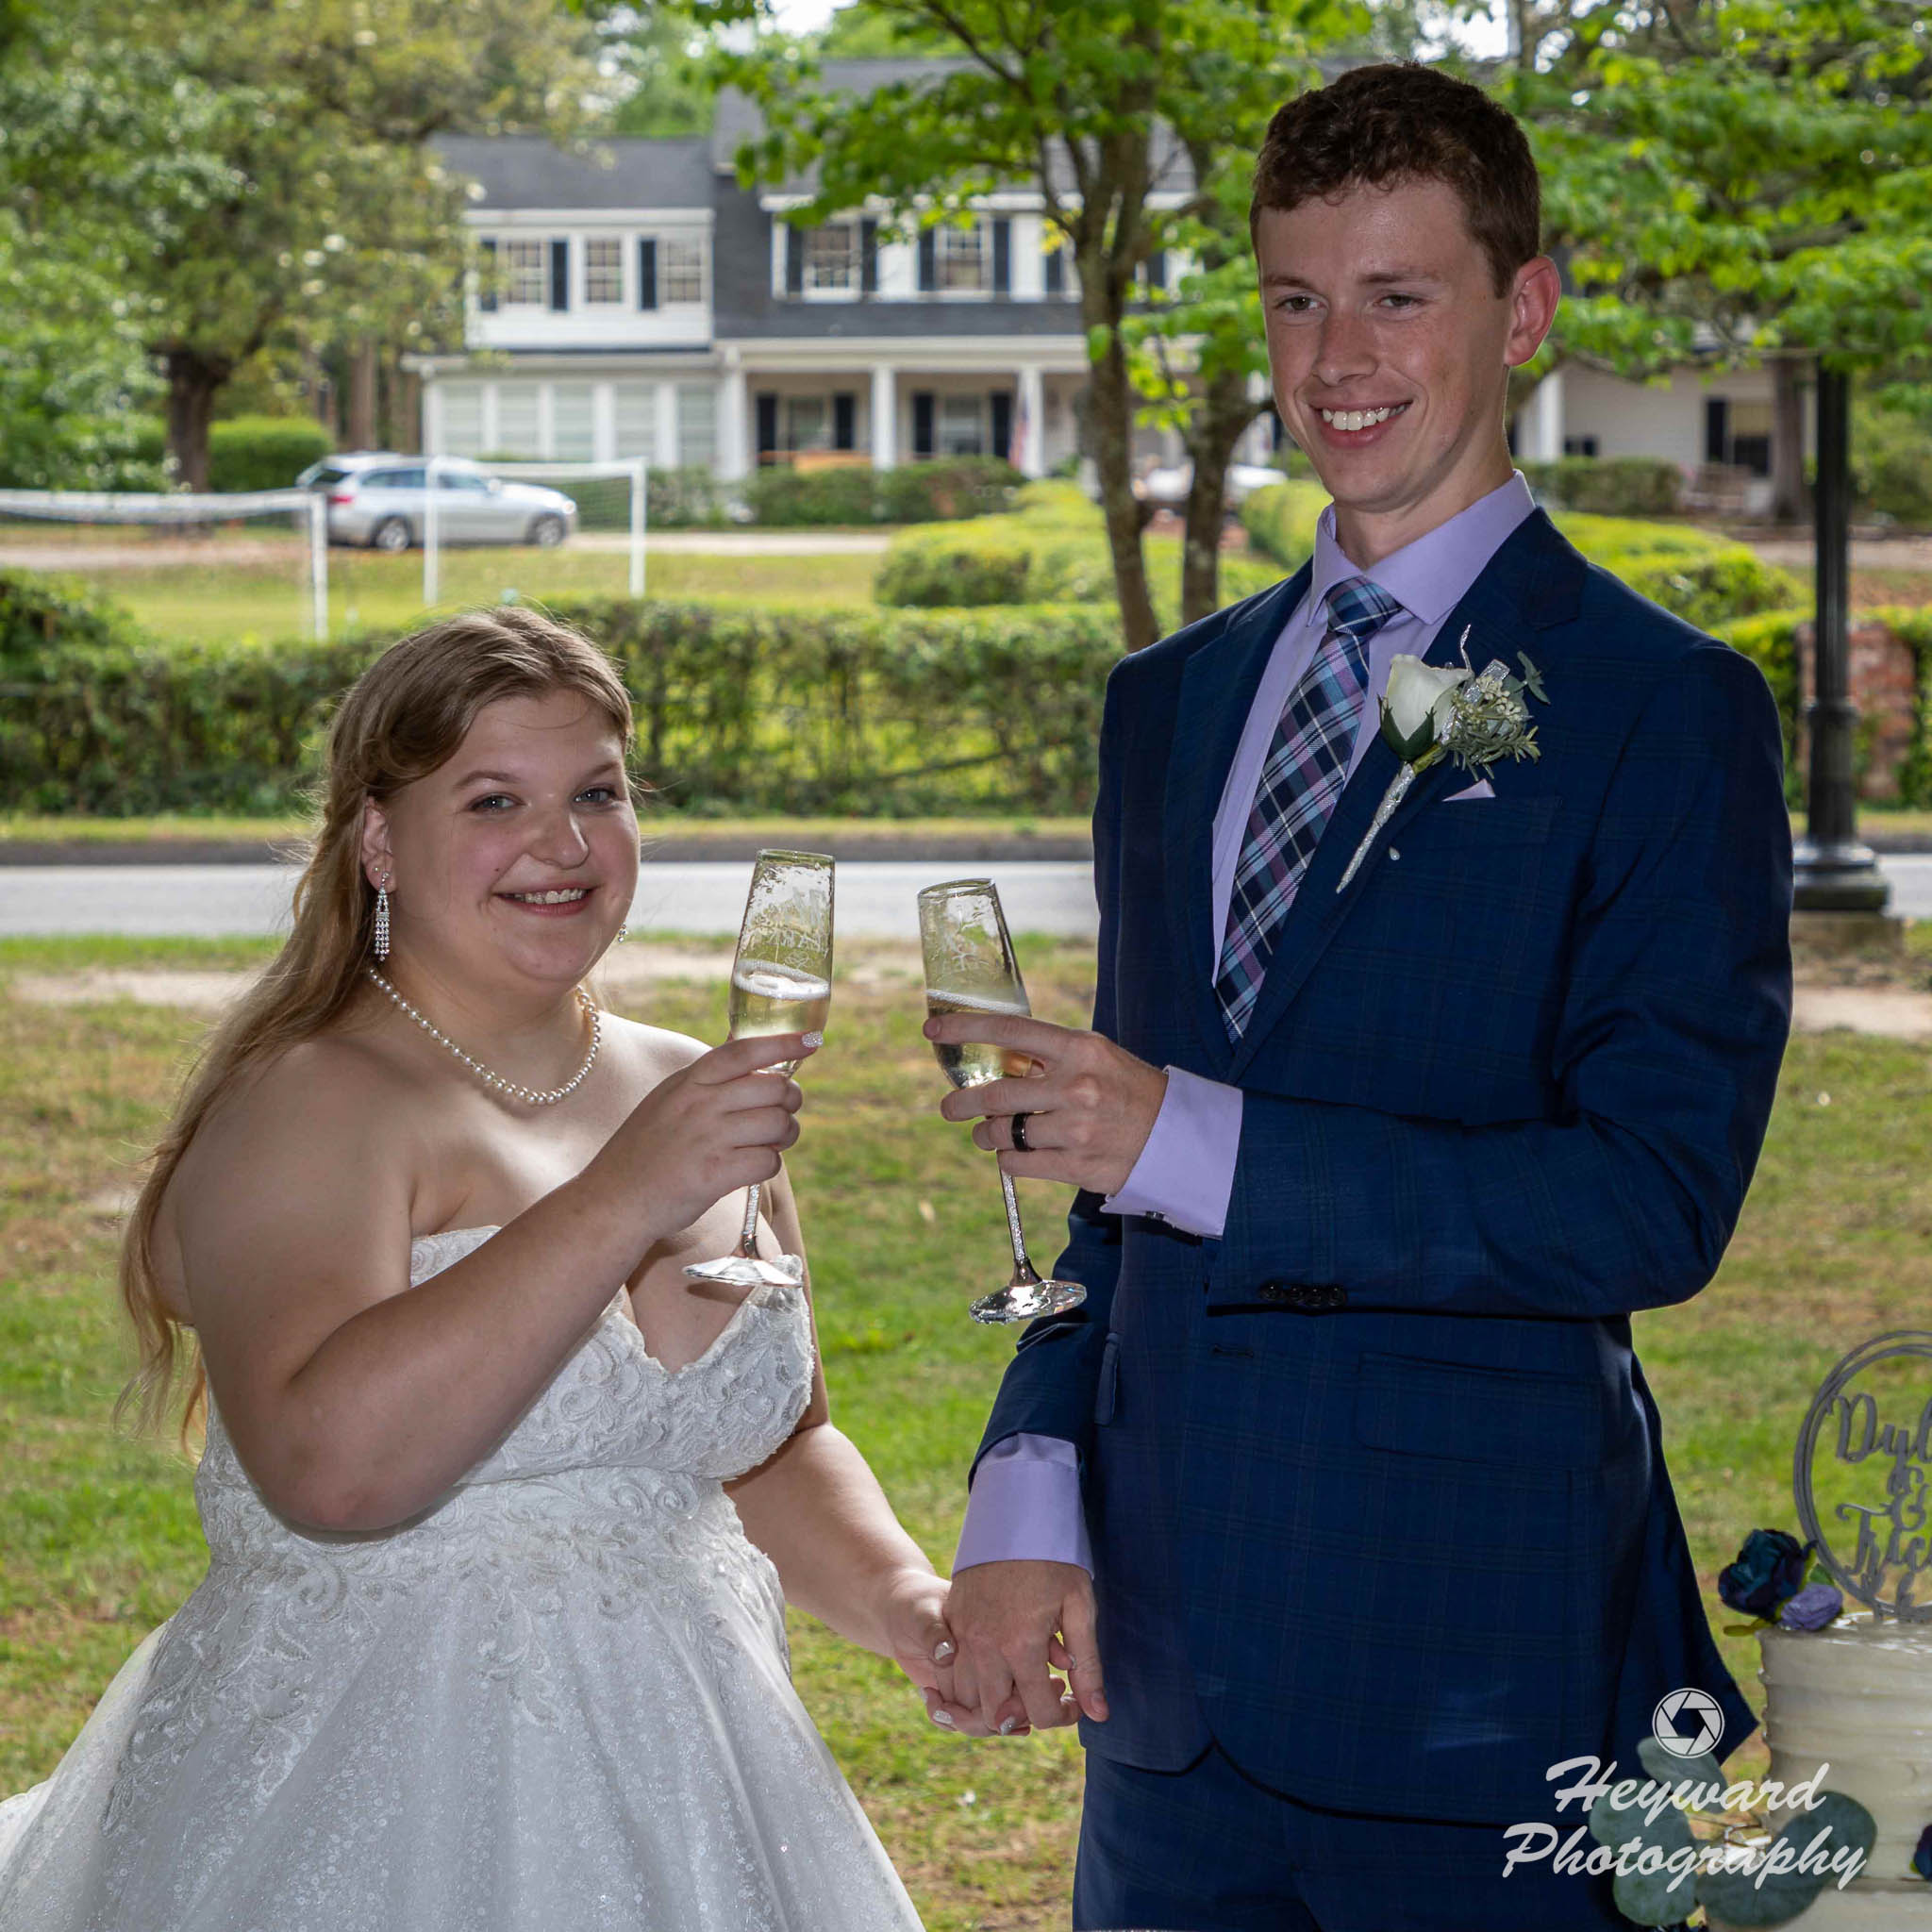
(519, 852)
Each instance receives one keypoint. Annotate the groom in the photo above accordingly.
(1349, 1435)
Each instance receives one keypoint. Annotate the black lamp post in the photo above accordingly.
(1835, 873)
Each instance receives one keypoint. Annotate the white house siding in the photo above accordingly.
(1666, 419)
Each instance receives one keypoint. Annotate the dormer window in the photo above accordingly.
(832, 258)
(960, 258)
(602, 269)
(526, 272)
(680, 270)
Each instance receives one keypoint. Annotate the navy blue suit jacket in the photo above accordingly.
(1376, 1487)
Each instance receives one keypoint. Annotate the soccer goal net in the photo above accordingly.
(186, 564)
(592, 508)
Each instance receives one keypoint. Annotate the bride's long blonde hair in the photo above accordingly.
(402, 719)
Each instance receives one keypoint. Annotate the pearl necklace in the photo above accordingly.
(528, 1094)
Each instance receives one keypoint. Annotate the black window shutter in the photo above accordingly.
(1001, 256)
(768, 421)
(560, 274)
(929, 261)
(486, 297)
(647, 271)
(794, 260)
(1717, 427)
(921, 423)
(1057, 271)
(1156, 269)
(846, 420)
(1002, 424)
(868, 257)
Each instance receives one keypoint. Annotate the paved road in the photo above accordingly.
(875, 899)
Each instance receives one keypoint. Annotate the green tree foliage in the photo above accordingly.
(1093, 100)
(253, 175)
(1735, 177)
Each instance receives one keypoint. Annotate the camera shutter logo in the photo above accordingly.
(1687, 1722)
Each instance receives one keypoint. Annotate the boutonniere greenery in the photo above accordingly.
(1475, 718)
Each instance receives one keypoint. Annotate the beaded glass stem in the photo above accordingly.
(516, 1091)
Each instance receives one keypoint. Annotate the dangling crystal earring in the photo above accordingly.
(623, 933)
(382, 917)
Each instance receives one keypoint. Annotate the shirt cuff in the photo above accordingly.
(1025, 1506)
(1184, 1174)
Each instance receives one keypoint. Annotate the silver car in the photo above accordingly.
(380, 500)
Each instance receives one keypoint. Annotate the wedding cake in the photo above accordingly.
(1856, 1696)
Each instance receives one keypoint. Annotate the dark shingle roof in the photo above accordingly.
(527, 171)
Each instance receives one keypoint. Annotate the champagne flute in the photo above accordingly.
(781, 982)
(970, 968)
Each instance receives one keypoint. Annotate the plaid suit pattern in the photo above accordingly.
(1306, 769)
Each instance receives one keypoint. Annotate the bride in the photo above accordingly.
(498, 1505)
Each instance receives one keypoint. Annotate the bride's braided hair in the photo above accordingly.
(402, 719)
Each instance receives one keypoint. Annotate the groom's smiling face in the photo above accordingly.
(1391, 349)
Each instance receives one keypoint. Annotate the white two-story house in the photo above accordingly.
(645, 304)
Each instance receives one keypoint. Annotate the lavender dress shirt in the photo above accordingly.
(1025, 1498)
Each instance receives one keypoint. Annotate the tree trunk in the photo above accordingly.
(1789, 503)
(1214, 428)
(362, 394)
(1110, 414)
(195, 380)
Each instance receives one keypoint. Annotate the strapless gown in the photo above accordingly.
(557, 1701)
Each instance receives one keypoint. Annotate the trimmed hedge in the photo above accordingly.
(780, 497)
(1054, 551)
(245, 452)
(887, 714)
(1707, 580)
(1608, 486)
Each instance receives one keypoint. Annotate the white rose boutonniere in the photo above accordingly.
(1430, 714)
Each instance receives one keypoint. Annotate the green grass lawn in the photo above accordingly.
(903, 1221)
(257, 589)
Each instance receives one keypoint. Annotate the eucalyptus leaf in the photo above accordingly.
(1668, 1832)
(1651, 1898)
(1669, 1769)
(1738, 1899)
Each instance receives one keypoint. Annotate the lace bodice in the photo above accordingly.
(612, 1407)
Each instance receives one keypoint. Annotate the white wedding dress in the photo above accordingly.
(559, 1701)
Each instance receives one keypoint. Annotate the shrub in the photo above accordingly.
(887, 714)
(1608, 486)
(1705, 579)
(943, 492)
(1770, 640)
(685, 499)
(263, 452)
(1891, 465)
(1280, 522)
(781, 495)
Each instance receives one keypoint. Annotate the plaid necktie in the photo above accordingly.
(1308, 765)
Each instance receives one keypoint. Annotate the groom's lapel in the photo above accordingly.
(1533, 581)
(1217, 693)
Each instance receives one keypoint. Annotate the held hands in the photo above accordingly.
(1016, 1624)
(714, 1126)
(1090, 1105)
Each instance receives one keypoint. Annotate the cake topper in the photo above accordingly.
(1889, 1536)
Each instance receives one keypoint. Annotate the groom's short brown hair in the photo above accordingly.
(1397, 122)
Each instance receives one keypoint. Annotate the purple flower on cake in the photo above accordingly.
(1922, 1858)
(1811, 1608)
(1769, 1568)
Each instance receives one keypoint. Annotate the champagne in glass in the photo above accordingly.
(970, 968)
(781, 982)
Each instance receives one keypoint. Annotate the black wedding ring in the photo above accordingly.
(1020, 1145)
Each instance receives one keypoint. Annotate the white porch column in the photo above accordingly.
(1033, 415)
(1540, 428)
(885, 417)
(432, 415)
(668, 457)
(734, 460)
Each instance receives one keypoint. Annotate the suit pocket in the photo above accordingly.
(1510, 1418)
(1107, 1384)
(1478, 824)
